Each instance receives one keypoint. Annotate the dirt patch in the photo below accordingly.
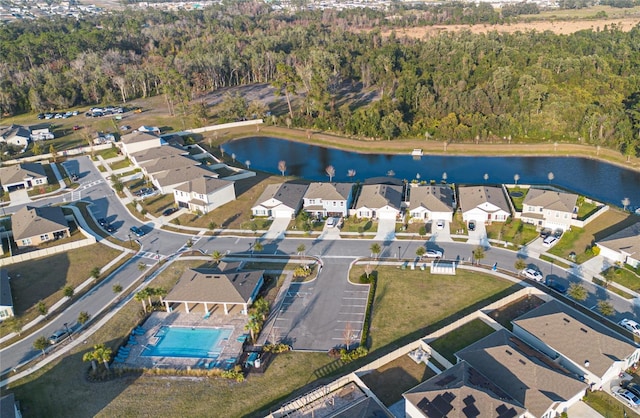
(557, 27)
(508, 313)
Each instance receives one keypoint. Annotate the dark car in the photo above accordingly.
(472, 225)
(137, 231)
(169, 211)
(558, 287)
(634, 388)
(545, 232)
(110, 229)
(102, 221)
(58, 336)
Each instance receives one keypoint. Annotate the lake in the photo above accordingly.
(600, 180)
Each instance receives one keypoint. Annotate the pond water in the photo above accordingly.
(600, 180)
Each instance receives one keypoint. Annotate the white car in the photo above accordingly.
(433, 254)
(533, 275)
(627, 397)
(549, 241)
(331, 221)
(440, 224)
(630, 325)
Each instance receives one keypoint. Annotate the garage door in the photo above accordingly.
(387, 214)
(282, 213)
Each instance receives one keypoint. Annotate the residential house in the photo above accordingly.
(16, 135)
(623, 246)
(33, 226)
(328, 199)
(224, 286)
(139, 141)
(9, 407)
(483, 204)
(204, 194)
(460, 392)
(379, 201)
(282, 200)
(40, 132)
(171, 162)
(431, 203)
(530, 378)
(150, 154)
(168, 180)
(6, 299)
(549, 209)
(22, 176)
(576, 342)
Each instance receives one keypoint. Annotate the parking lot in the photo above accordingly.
(324, 313)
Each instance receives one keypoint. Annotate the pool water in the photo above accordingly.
(188, 342)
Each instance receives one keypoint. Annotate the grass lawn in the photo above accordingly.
(61, 389)
(108, 153)
(623, 276)
(517, 195)
(458, 226)
(514, 231)
(353, 224)
(607, 405)
(505, 314)
(44, 278)
(155, 205)
(586, 209)
(47, 188)
(390, 381)
(579, 240)
(411, 304)
(120, 164)
(448, 344)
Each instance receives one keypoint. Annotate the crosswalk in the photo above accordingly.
(151, 255)
(91, 184)
(190, 243)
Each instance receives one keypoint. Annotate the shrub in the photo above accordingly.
(276, 348)
(373, 279)
(595, 250)
(349, 356)
(365, 279)
(422, 231)
(235, 374)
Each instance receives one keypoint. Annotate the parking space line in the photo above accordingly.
(347, 322)
(355, 298)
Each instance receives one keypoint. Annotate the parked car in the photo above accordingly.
(102, 221)
(627, 397)
(58, 336)
(630, 325)
(549, 241)
(440, 224)
(77, 127)
(633, 388)
(331, 221)
(533, 274)
(558, 287)
(472, 225)
(433, 254)
(545, 232)
(558, 233)
(169, 211)
(137, 231)
(110, 228)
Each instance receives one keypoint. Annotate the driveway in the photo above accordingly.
(386, 230)
(324, 313)
(441, 235)
(479, 236)
(277, 229)
(18, 197)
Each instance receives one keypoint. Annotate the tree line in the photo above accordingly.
(461, 86)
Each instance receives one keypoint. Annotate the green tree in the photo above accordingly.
(141, 296)
(68, 291)
(53, 152)
(83, 317)
(253, 326)
(261, 308)
(478, 254)
(375, 249)
(520, 265)
(117, 184)
(41, 343)
(37, 149)
(103, 354)
(91, 356)
(42, 308)
(217, 256)
(420, 251)
(577, 292)
(117, 288)
(301, 248)
(212, 225)
(257, 247)
(95, 272)
(14, 324)
(606, 308)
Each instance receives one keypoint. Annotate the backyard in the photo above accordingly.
(459, 338)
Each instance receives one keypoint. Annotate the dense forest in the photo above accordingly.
(453, 87)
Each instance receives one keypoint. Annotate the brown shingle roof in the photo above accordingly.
(215, 286)
(531, 379)
(380, 195)
(576, 336)
(433, 198)
(328, 191)
(550, 199)
(137, 136)
(474, 196)
(170, 162)
(18, 172)
(626, 241)
(203, 185)
(158, 152)
(181, 175)
(29, 221)
(462, 391)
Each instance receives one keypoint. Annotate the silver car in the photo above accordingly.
(630, 325)
(532, 274)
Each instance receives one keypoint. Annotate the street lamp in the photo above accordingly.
(130, 243)
(66, 327)
(157, 254)
(398, 252)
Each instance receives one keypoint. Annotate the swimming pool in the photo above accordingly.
(188, 342)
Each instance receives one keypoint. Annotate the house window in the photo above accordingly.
(312, 201)
(3, 313)
(44, 237)
(341, 203)
(540, 210)
(26, 241)
(335, 203)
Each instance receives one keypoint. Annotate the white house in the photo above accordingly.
(484, 204)
(549, 209)
(204, 194)
(6, 300)
(139, 141)
(282, 200)
(623, 246)
(379, 201)
(16, 135)
(577, 343)
(22, 176)
(431, 203)
(328, 199)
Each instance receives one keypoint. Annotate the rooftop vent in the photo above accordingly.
(586, 363)
(566, 320)
(583, 330)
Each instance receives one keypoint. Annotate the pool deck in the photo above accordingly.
(231, 349)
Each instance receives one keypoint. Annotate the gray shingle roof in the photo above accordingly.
(203, 185)
(170, 162)
(181, 175)
(530, 378)
(329, 191)
(473, 196)
(550, 199)
(158, 152)
(137, 136)
(626, 241)
(433, 198)
(576, 336)
(380, 195)
(18, 172)
(29, 221)
(462, 391)
(289, 194)
(215, 286)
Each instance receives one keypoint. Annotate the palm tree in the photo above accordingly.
(217, 256)
(102, 354)
(257, 247)
(83, 317)
(625, 202)
(577, 292)
(550, 176)
(253, 326)
(520, 265)
(301, 249)
(261, 308)
(140, 297)
(331, 171)
(282, 166)
(90, 356)
(161, 292)
(375, 249)
(516, 177)
(606, 308)
(41, 343)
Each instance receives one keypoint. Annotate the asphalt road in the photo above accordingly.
(318, 319)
